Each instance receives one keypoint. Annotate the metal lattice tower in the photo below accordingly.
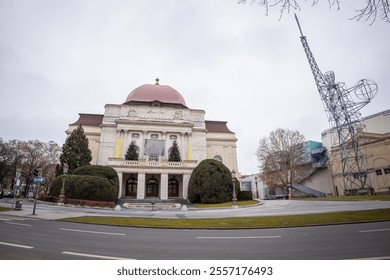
(344, 118)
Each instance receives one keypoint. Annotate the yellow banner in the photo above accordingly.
(118, 148)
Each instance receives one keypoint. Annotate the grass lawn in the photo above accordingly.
(243, 222)
(252, 222)
(4, 209)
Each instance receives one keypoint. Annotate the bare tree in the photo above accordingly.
(39, 155)
(27, 156)
(369, 12)
(283, 159)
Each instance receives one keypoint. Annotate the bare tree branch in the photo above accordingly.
(372, 10)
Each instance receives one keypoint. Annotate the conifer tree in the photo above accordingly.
(132, 152)
(174, 153)
(75, 151)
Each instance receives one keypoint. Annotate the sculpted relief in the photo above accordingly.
(155, 113)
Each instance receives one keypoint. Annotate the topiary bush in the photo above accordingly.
(90, 182)
(85, 187)
(106, 172)
(210, 182)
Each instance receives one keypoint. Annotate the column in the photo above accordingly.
(142, 148)
(166, 149)
(186, 180)
(189, 146)
(164, 186)
(141, 186)
(120, 179)
(125, 142)
(182, 146)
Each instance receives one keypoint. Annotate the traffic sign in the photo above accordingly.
(39, 180)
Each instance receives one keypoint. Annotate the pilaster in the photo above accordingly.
(164, 186)
(141, 186)
(186, 180)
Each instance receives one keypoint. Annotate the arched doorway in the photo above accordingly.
(173, 187)
(131, 186)
(152, 187)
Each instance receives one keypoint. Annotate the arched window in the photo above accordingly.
(173, 187)
(152, 187)
(131, 186)
(219, 158)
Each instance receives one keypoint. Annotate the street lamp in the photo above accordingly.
(234, 179)
(257, 189)
(61, 197)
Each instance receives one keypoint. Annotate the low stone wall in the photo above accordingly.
(151, 206)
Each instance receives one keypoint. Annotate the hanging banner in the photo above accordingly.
(118, 148)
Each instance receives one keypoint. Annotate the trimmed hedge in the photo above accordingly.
(85, 187)
(245, 195)
(89, 182)
(106, 172)
(210, 182)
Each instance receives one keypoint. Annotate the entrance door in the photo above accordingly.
(131, 186)
(152, 187)
(173, 187)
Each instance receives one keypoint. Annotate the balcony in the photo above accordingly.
(145, 163)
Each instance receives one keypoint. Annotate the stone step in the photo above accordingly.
(151, 206)
(124, 200)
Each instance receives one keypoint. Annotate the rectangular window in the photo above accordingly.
(245, 186)
(387, 170)
(378, 172)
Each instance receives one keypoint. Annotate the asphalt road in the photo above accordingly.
(24, 238)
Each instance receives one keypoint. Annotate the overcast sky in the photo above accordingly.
(61, 58)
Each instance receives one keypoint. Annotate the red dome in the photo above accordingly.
(152, 93)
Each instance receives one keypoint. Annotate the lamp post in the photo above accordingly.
(257, 189)
(61, 197)
(234, 179)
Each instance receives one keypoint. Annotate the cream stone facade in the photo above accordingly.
(376, 145)
(153, 116)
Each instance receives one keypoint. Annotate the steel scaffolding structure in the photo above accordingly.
(344, 119)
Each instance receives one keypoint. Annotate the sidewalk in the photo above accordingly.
(267, 208)
(48, 211)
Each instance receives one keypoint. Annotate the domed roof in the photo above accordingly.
(156, 93)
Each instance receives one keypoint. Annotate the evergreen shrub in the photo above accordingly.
(106, 172)
(244, 195)
(89, 182)
(85, 187)
(210, 182)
